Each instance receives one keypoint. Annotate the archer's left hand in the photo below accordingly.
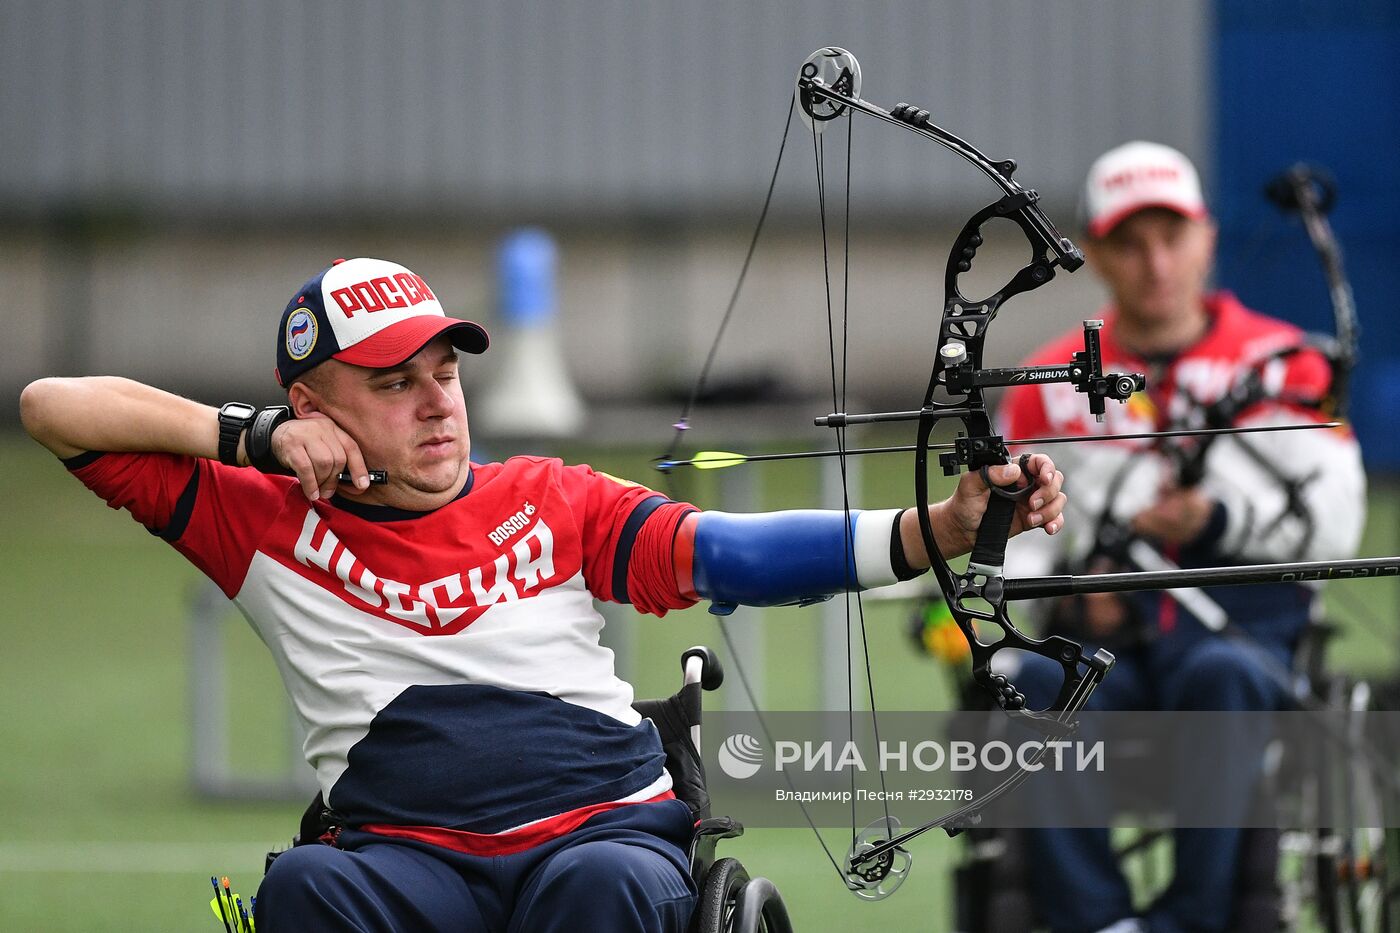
(956, 519)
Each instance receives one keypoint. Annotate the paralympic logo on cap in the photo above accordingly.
(740, 756)
(301, 334)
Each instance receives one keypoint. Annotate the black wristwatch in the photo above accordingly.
(234, 419)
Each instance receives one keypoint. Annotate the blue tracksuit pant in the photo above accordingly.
(624, 870)
(1074, 876)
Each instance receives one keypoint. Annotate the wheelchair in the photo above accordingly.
(1338, 879)
(730, 901)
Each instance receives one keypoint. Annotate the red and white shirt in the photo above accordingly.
(446, 665)
(1259, 526)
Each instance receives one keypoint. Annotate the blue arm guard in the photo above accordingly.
(785, 558)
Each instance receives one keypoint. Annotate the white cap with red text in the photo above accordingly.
(368, 312)
(1136, 176)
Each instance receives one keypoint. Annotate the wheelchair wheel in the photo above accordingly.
(1356, 881)
(1355, 868)
(732, 903)
(718, 896)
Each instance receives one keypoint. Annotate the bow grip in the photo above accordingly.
(989, 550)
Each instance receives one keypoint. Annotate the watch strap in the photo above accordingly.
(259, 444)
(231, 428)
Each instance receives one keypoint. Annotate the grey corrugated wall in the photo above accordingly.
(605, 108)
(170, 171)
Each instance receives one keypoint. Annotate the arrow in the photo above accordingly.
(722, 459)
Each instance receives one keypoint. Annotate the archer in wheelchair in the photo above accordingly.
(1332, 866)
(433, 619)
(1287, 496)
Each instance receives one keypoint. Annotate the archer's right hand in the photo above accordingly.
(317, 451)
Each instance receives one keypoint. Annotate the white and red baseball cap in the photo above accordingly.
(368, 312)
(1136, 176)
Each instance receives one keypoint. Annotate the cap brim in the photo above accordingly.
(401, 341)
(1102, 226)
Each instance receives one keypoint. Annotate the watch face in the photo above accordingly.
(237, 411)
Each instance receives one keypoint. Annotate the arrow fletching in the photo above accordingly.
(717, 459)
(707, 460)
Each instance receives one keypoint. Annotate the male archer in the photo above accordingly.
(436, 631)
(1261, 498)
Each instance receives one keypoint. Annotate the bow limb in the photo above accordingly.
(1310, 191)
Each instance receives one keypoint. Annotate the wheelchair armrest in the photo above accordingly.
(708, 833)
(721, 827)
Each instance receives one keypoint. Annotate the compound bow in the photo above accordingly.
(828, 89)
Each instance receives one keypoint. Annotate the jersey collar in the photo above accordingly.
(389, 513)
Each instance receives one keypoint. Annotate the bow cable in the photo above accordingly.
(682, 423)
(838, 399)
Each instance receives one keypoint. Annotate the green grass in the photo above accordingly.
(99, 828)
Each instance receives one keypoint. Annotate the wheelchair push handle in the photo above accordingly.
(701, 665)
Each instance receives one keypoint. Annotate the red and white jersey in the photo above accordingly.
(446, 665)
(1259, 526)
